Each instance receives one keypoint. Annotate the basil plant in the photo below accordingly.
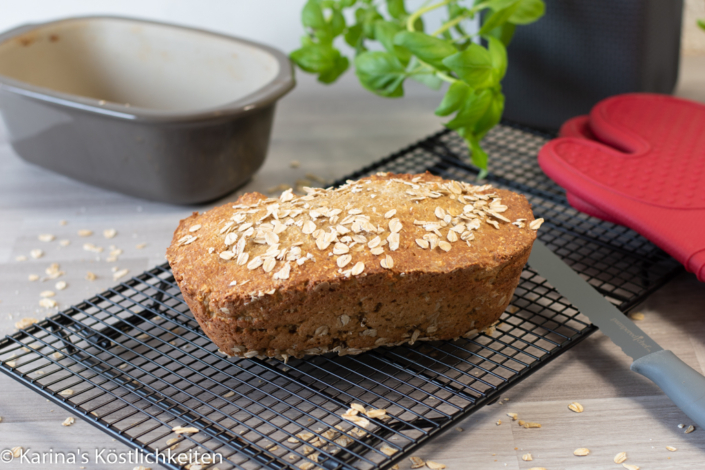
(473, 63)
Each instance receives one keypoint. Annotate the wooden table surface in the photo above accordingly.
(332, 131)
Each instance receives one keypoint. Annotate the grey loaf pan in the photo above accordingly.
(151, 110)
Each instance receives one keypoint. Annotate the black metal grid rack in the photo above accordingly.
(133, 362)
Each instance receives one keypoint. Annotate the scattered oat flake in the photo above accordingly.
(66, 393)
(61, 285)
(376, 413)
(527, 457)
(183, 430)
(621, 457)
(21, 258)
(33, 277)
(47, 293)
(514, 416)
(25, 322)
(358, 407)
(576, 407)
(387, 262)
(671, 448)
(499, 422)
(444, 245)
(48, 303)
(416, 462)
(294, 164)
(689, 429)
(36, 253)
(64, 242)
(121, 273)
(91, 276)
(17, 451)
(343, 261)
(68, 421)
(434, 465)
(388, 450)
(46, 237)
(535, 224)
(140, 246)
(529, 425)
(110, 233)
(63, 222)
(85, 233)
(581, 452)
(92, 247)
(537, 468)
(636, 316)
(142, 467)
(630, 467)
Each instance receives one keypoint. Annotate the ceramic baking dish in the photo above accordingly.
(156, 111)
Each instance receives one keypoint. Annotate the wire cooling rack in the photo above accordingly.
(133, 362)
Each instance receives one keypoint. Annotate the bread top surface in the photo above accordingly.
(394, 223)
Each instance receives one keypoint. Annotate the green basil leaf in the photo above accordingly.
(353, 35)
(381, 73)
(347, 3)
(498, 18)
(312, 15)
(340, 66)
(427, 78)
(504, 33)
(701, 23)
(427, 48)
(419, 25)
(455, 10)
(498, 55)
(473, 65)
(384, 33)
(472, 110)
(396, 9)
(324, 36)
(496, 5)
(306, 40)
(492, 115)
(454, 98)
(360, 15)
(528, 12)
(368, 24)
(337, 23)
(315, 58)
(478, 156)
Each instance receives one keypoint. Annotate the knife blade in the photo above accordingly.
(679, 381)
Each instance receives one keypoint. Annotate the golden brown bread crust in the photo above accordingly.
(315, 305)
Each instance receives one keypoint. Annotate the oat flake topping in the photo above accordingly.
(267, 235)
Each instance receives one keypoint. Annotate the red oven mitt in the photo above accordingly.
(643, 166)
(580, 127)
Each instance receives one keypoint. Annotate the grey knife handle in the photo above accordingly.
(682, 384)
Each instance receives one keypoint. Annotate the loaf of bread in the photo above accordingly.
(385, 260)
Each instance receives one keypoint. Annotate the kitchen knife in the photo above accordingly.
(680, 382)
